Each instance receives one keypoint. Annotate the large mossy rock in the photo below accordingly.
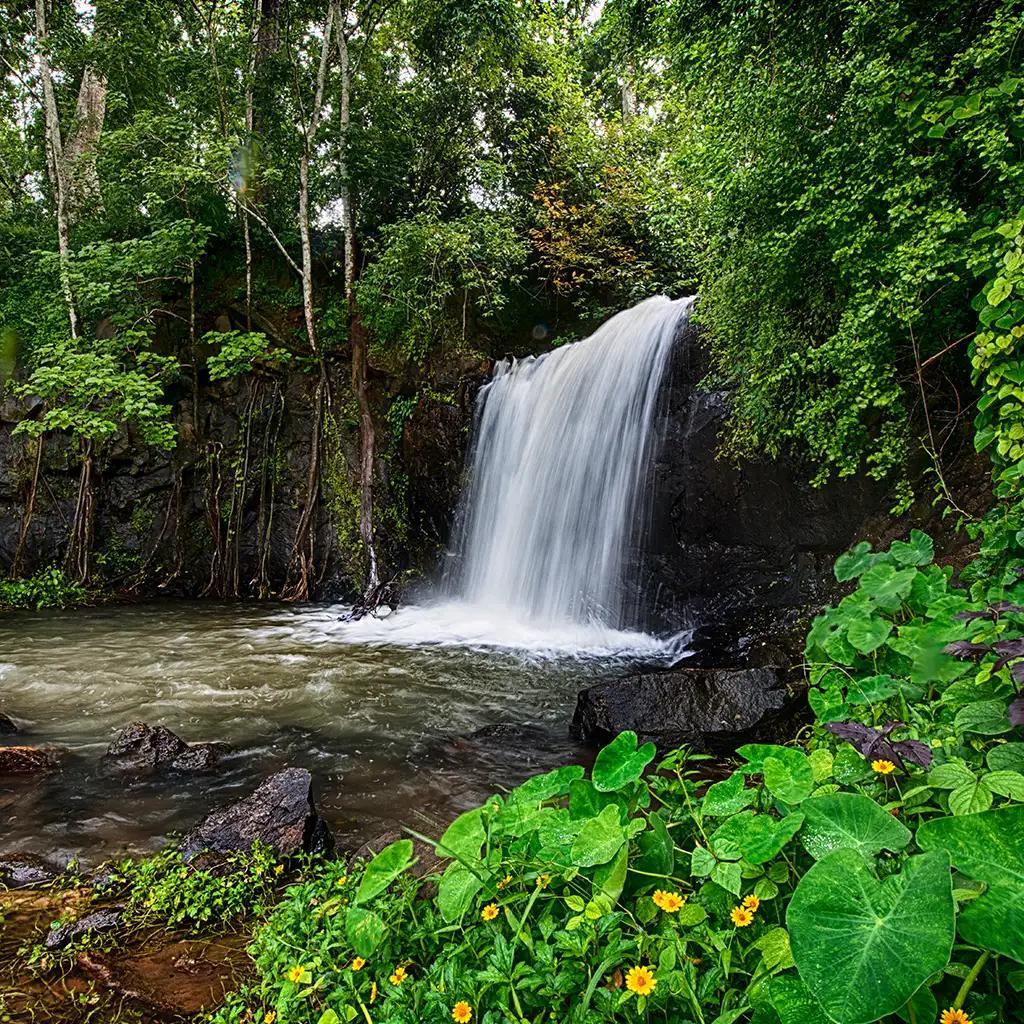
(706, 708)
(280, 814)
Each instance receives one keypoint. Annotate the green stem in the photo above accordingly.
(972, 976)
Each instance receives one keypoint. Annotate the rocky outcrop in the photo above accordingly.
(21, 869)
(713, 710)
(139, 747)
(280, 814)
(61, 935)
(32, 761)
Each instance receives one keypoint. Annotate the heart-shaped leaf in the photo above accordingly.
(621, 762)
(849, 821)
(599, 839)
(365, 930)
(384, 869)
(986, 847)
(863, 946)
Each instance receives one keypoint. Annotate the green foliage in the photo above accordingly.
(48, 588)
(241, 352)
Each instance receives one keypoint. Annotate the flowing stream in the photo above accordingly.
(407, 718)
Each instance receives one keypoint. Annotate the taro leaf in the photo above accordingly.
(611, 877)
(727, 797)
(863, 946)
(789, 779)
(621, 762)
(868, 633)
(849, 821)
(1006, 757)
(985, 717)
(856, 561)
(456, 890)
(1015, 712)
(599, 840)
(919, 551)
(464, 837)
(873, 689)
(586, 802)
(391, 862)
(967, 650)
(792, 1001)
(551, 784)
(923, 1006)
(365, 930)
(875, 743)
(758, 837)
(987, 847)
(657, 854)
(886, 586)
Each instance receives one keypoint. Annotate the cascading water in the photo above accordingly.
(553, 510)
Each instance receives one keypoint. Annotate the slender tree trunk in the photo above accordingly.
(55, 164)
(357, 336)
(30, 507)
(77, 560)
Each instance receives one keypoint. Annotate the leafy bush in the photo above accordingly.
(48, 588)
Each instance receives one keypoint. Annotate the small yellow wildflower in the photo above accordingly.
(358, 964)
(752, 903)
(373, 993)
(543, 881)
(295, 974)
(490, 912)
(640, 980)
(269, 1017)
(279, 869)
(883, 767)
(741, 917)
(462, 1013)
(952, 1016)
(670, 902)
(341, 881)
(398, 977)
(506, 881)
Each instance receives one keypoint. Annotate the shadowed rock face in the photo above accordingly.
(711, 710)
(139, 747)
(280, 814)
(7, 726)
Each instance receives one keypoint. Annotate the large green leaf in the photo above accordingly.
(919, 551)
(987, 717)
(548, 785)
(727, 797)
(987, 847)
(849, 821)
(865, 946)
(599, 839)
(384, 869)
(758, 837)
(790, 779)
(456, 890)
(621, 762)
(793, 1003)
(887, 586)
(365, 930)
(464, 837)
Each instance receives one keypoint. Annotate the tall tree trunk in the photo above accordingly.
(81, 180)
(357, 335)
(55, 165)
(30, 507)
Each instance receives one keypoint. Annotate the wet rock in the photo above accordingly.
(26, 761)
(139, 747)
(281, 814)
(712, 710)
(98, 921)
(7, 726)
(21, 869)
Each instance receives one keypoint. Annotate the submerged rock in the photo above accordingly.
(27, 761)
(709, 709)
(21, 869)
(139, 747)
(280, 813)
(7, 726)
(98, 921)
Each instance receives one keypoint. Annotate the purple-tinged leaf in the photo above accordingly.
(1016, 711)
(876, 744)
(1008, 650)
(1017, 672)
(993, 611)
(966, 650)
(915, 751)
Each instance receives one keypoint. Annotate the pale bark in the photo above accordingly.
(81, 178)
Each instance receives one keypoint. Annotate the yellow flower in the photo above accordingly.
(398, 977)
(741, 917)
(279, 869)
(507, 880)
(462, 1013)
(952, 1016)
(373, 993)
(640, 980)
(670, 902)
(269, 1017)
(341, 881)
(295, 974)
(543, 881)
(358, 964)
(752, 903)
(883, 767)
(490, 912)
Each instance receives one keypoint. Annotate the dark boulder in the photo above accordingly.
(280, 814)
(99, 921)
(139, 747)
(7, 726)
(708, 709)
(21, 869)
(26, 761)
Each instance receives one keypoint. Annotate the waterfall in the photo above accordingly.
(545, 548)
(553, 509)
